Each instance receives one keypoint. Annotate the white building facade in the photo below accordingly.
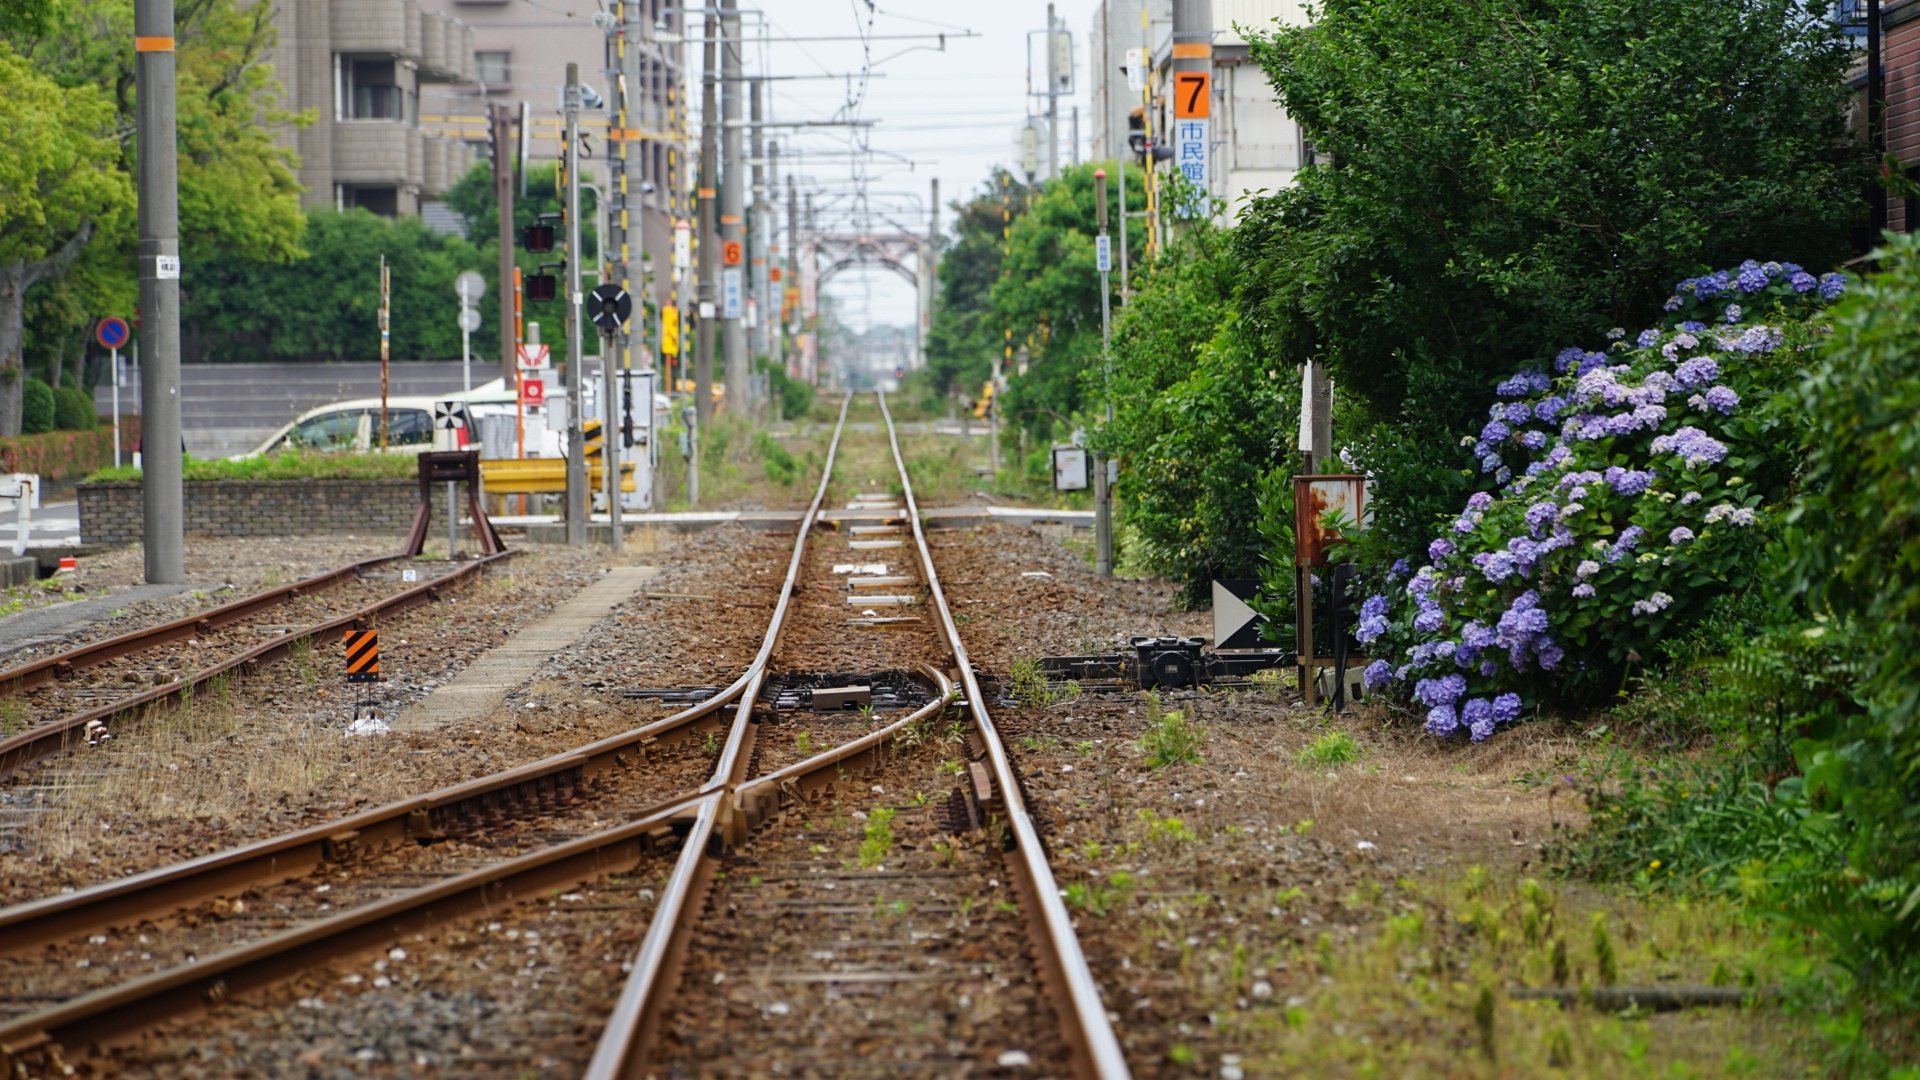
(1254, 145)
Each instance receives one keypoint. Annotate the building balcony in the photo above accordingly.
(376, 27)
(446, 49)
(376, 152)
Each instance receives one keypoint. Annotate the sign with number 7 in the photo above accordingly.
(1192, 95)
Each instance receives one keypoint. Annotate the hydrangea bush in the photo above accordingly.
(1627, 486)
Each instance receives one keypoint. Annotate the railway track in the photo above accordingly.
(971, 936)
(61, 701)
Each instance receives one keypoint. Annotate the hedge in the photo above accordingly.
(66, 457)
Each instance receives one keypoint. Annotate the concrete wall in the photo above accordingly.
(112, 513)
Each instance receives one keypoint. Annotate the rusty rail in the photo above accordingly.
(729, 808)
(43, 740)
(46, 670)
(84, 1024)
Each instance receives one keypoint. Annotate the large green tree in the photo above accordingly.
(237, 190)
(965, 336)
(1049, 293)
(326, 305)
(1501, 178)
(58, 188)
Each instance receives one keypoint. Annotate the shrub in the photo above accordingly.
(1629, 487)
(73, 410)
(780, 466)
(36, 407)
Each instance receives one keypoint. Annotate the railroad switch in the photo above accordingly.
(1165, 663)
(842, 691)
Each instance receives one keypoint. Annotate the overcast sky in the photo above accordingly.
(951, 113)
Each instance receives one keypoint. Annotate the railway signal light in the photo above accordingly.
(537, 238)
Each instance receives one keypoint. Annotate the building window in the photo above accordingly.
(381, 199)
(369, 90)
(491, 68)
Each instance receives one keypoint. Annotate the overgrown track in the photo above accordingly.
(422, 870)
(121, 677)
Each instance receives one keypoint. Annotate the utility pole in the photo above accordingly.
(770, 299)
(1102, 489)
(502, 123)
(709, 239)
(1053, 100)
(162, 492)
(733, 327)
(793, 265)
(576, 386)
(757, 233)
(1193, 53)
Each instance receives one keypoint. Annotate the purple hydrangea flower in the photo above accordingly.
(1489, 668)
(1548, 408)
(1752, 278)
(1690, 443)
(1540, 515)
(1697, 371)
(1721, 399)
(1832, 285)
(1533, 440)
(1628, 482)
(1648, 339)
(1729, 513)
(1583, 590)
(1506, 708)
(1479, 500)
(1373, 619)
(1444, 690)
(1674, 303)
(1802, 281)
(1442, 721)
(1430, 619)
(1495, 566)
(1439, 549)
(1733, 313)
(1680, 535)
(1694, 326)
(1377, 674)
(1397, 570)
(1568, 357)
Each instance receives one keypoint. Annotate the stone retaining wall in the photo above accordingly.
(112, 513)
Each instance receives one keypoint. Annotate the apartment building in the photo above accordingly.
(1253, 144)
(520, 53)
(361, 67)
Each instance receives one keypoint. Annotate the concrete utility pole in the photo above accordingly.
(770, 300)
(757, 233)
(793, 264)
(576, 386)
(1102, 490)
(161, 490)
(733, 326)
(501, 118)
(1053, 100)
(1193, 52)
(709, 239)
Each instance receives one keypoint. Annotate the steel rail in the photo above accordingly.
(1096, 1049)
(87, 1022)
(655, 970)
(47, 669)
(44, 740)
(165, 889)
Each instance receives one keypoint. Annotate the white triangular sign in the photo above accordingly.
(1231, 616)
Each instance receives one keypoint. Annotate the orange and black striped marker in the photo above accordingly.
(363, 655)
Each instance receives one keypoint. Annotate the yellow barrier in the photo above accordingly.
(542, 476)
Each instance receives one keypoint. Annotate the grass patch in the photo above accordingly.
(1170, 738)
(877, 843)
(1331, 748)
(1426, 993)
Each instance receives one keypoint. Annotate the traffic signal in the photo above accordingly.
(537, 238)
(1138, 142)
(541, 288)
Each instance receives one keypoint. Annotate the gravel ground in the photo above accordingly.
(272, 754)
(1263, 908)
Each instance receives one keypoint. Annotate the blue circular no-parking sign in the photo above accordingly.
(112, 333)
